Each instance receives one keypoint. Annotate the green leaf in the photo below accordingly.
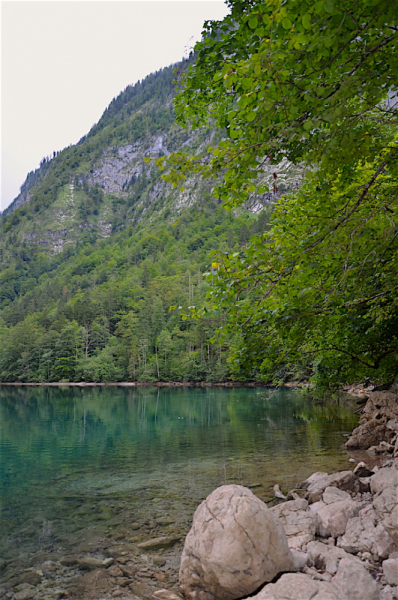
(286, 23)
(253, 22)
(306, 20)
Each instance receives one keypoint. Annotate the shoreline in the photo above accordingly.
(253, 384)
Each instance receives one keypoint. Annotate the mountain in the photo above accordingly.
(97, 247)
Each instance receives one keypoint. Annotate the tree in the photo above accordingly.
(313, 84)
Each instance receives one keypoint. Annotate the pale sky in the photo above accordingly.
(62, 62)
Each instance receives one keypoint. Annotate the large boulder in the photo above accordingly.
(333, 518)
(366, 533)
(355, 581)
(297, 586)
(299, 523)
(234, 546)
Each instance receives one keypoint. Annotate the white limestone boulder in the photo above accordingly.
(234, 546)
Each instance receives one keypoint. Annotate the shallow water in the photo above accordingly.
(132, 464)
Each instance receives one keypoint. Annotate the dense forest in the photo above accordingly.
(93, 271)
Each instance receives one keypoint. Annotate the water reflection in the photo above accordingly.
(103, 457)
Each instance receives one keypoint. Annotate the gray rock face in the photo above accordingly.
(366, 533)
(299, 523)
(234, 546)
(333, 518)
(298, 586)
(355, 581)
(374, 430)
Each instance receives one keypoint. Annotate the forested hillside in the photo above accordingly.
(97, 248)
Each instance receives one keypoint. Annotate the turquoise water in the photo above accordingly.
(129, 464)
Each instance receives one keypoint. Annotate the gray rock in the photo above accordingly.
(234, 546)
(333, 518)
(365, 533)
(354, 580)
(26, 594)
(69, 560)
(297, 586)
(165, 595)
(385, 502)
(390, 570)
(327, 558)
(160, 542)
(334, 494)
(318, 482)
(389, 593)
(390, 522)
(387, 477)
(300, 559)
(88, 562)
(299, 523)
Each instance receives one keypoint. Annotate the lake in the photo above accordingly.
(125, 464)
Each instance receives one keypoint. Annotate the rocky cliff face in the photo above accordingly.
(103, 184)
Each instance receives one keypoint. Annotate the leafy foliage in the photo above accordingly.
(314, 84)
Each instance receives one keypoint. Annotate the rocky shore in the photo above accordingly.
(335, 537)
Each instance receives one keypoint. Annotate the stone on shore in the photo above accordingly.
(25, 594)
(334, 494)
(387, 477)
(378, 421)
(327, 558)
(355, 581)
(366, 533)
(234, 546)
(333, 518)
(390, 570)
(297, 586)
(299, 523)
(317, 483)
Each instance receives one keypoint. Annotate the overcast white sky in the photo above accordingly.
(62, 62)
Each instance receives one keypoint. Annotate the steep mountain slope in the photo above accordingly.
(97, 247)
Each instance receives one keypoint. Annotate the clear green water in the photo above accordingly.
(120, 462)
